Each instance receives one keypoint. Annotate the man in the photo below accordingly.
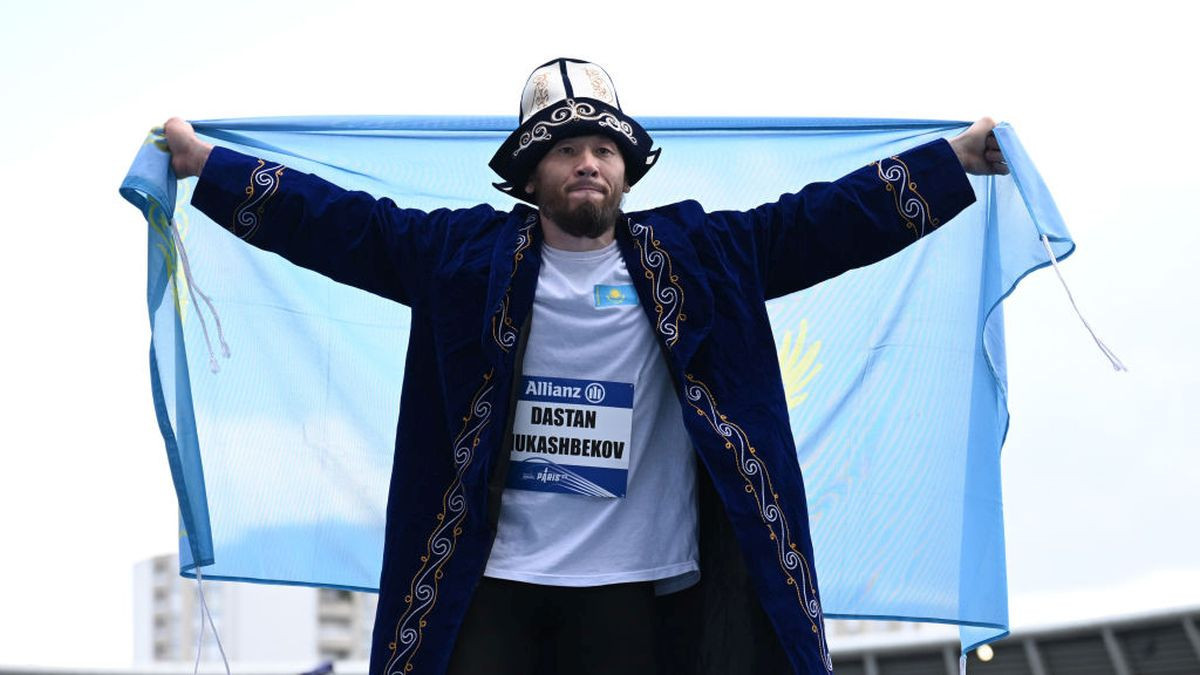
(566, 367)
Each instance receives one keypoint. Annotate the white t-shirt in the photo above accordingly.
(588, 327)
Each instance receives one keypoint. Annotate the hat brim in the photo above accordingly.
(520, 153)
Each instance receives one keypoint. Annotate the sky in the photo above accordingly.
(1101, 472)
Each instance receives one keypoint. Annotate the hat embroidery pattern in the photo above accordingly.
(598, 88)
(570, 111)
(541, 92)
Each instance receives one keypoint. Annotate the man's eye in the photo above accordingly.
(565, 150)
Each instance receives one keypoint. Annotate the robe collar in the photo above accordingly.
(671, 283)
(666, 271)
(516, 260)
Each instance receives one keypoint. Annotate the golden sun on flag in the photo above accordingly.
(797, 362)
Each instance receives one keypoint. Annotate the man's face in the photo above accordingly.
(579, 185)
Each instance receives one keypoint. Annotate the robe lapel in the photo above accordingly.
(516, 260)
(671, 284)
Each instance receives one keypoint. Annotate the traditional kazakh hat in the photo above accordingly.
(565, 98)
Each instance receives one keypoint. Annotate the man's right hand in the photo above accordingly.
(188, 153)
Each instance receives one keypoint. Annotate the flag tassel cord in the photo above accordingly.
(193, 291)
(204, 613)
(214, 365)
(1112, 357)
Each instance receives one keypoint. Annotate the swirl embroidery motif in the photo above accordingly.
(570, 111)
(664, 283)
(758, 485)
(909, 203)
(541, 93)
(423, 589)
(264, 181)
(599, 91)
(503, 331)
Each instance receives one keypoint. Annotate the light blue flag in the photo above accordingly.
(895, 373)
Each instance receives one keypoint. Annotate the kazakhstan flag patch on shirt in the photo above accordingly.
(614, 296)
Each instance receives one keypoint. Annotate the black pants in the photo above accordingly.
(512, 628)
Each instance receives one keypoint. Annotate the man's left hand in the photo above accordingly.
(978, 149)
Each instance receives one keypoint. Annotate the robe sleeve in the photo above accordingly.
(828, 228)
(348, 236)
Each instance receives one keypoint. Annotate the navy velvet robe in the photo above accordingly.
(702, 278)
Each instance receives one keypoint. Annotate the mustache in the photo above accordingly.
(598, 185)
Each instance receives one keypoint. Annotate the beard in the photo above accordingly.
(587, 219)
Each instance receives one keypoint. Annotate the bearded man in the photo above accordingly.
(567, 366)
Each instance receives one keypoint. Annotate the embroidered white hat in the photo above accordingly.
(565, 98)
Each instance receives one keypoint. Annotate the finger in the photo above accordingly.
(983, 126)
(1000, 168)
(992, 143)
(993, 156)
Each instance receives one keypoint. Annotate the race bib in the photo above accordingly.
(572, 436)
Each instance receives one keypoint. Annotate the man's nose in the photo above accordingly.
(587, 165)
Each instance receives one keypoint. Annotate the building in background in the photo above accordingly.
(257, 623)
(848, 634)
(270, 623)
(264, 628)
